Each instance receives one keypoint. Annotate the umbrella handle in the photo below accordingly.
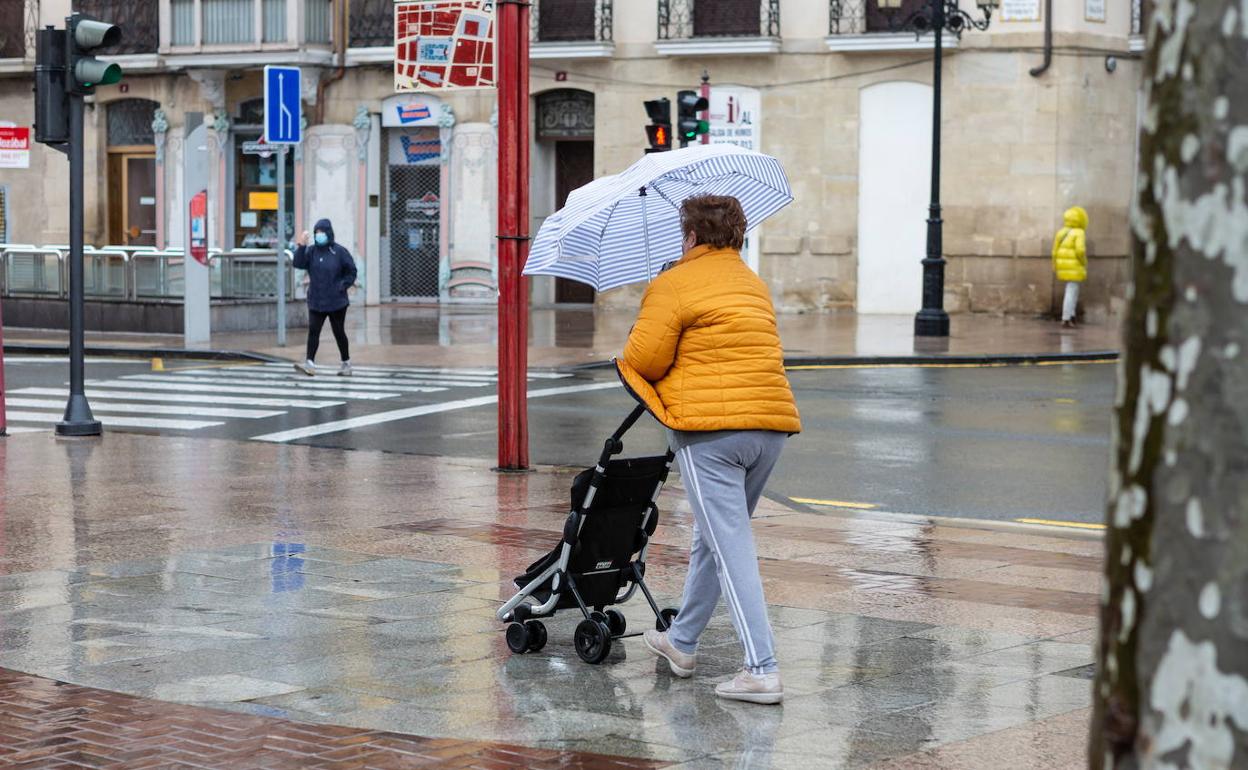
(645, 234)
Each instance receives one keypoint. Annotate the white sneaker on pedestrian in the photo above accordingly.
(682, 664)
(345, 370)
(307, 367)
(752, 688)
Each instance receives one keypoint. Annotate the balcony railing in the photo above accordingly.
(855, 17)
(372, 23)
(567, 21)
(685, 19)
(139, 21)
(18, 21)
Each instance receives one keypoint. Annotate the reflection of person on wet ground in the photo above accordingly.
(705, 358)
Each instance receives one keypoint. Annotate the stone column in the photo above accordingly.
(160, 128)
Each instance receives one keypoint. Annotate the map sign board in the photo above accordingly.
(443, 45)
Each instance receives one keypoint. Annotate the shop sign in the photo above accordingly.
(14, 147)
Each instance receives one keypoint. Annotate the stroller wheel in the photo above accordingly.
(537, 635)
(616, 622)
(593, 641)
(517, 638)
(668, 615)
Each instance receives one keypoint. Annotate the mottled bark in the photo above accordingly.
(1172, 685)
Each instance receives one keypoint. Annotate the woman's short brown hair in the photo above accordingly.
(715, 220)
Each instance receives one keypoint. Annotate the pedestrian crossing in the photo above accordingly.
(195, 398)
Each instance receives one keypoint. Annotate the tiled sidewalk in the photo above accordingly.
(298, 587)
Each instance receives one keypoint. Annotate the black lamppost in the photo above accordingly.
(937, 17)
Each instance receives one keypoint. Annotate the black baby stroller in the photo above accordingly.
(613, 516)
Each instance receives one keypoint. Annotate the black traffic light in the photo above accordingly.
(688, 125)
(51, 98)
(85, 72)
(659, 132)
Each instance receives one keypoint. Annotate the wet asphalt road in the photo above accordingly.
(994, 443)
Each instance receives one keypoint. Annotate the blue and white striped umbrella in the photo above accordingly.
(623, 228)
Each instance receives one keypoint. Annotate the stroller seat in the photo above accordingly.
(600, 559)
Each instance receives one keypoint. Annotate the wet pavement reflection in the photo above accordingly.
(289, 584)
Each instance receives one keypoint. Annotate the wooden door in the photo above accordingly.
(140, 224)
(574, 167)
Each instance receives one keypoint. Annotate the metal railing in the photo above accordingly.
(140, 20)
(855, 17)
(371, 23)
(564, 21)
(684, 19)
(141, 273)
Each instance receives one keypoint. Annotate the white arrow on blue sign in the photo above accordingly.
(282, 106)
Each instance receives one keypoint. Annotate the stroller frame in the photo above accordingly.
(594, 634)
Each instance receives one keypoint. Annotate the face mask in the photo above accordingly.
(321, 239)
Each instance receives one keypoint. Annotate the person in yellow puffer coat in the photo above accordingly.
(705, 358)
(1070, 259)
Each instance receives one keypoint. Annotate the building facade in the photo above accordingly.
(826, 86)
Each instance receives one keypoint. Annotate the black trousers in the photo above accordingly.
(337, 322)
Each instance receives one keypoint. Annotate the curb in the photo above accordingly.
(984, 359)
(121, 351)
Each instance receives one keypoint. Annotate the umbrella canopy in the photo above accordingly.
(623, 228)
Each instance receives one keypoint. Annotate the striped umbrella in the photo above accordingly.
(623, 228)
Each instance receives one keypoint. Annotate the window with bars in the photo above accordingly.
(684, 19)
(138, 19)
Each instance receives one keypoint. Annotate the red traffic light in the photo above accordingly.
(660, 136)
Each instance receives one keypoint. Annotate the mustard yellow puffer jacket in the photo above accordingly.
(1070, 255)
(705, 353)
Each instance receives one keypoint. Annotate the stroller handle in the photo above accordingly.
(613, 445)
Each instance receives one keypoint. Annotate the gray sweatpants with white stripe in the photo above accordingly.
(724, 473)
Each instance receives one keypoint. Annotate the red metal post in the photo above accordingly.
(513, 233)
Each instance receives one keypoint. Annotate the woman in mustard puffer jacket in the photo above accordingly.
(705, 358)
(1070, 259)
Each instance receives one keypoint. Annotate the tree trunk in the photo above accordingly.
(1172, 684)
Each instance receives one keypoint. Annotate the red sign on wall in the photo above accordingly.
(443, 44)
(14, 147)
(199, 227)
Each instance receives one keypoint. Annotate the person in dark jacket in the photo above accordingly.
(331, 271)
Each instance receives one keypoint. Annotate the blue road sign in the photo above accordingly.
(282, 106)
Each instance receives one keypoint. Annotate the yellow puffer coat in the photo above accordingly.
(705, 353)
(1070, 256)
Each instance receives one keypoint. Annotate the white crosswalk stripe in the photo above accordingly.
(121, 421)
(212, 387)
(109, 407)
(338, 382)
(183, 398)
(490, 374)
(206, 396)
(305, 384)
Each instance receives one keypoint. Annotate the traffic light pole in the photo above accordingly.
(513, 233)
(78, 420)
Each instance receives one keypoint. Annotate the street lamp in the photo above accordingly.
(936, 16)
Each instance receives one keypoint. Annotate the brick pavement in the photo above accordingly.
(49, 724)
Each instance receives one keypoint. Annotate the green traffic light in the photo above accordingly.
(93, 72)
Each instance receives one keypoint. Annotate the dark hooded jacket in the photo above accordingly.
(331, 271)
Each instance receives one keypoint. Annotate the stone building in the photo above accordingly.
(826, 86)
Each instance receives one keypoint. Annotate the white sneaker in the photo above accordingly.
(307, 367)
(682, 664)
(345, 369)
(752, 688)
